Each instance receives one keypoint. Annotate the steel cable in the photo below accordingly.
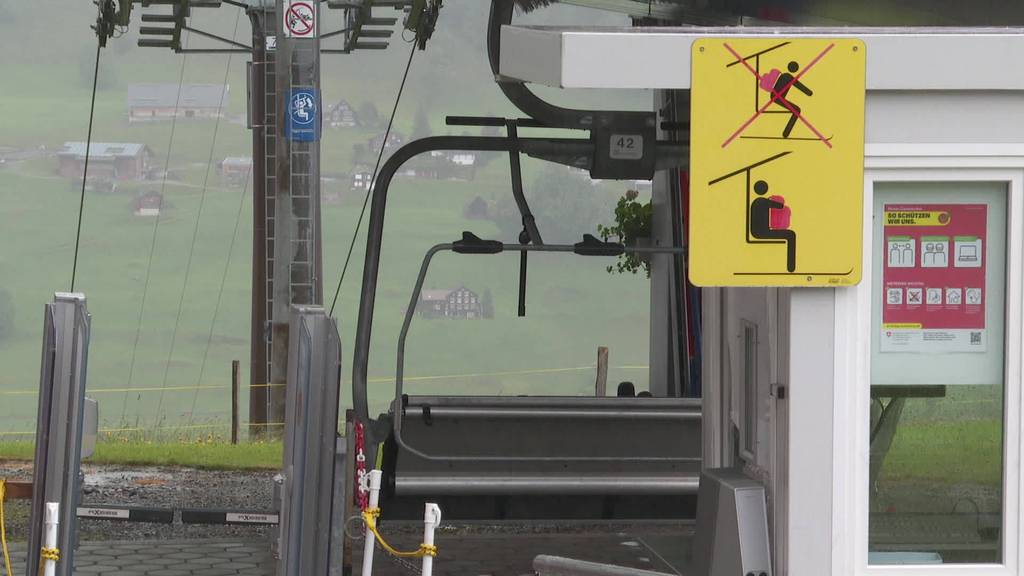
(85, 168)
(373, 179)
(195, 229)
(152, 244)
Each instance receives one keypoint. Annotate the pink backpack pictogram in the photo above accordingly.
(768, 79)
(778, 218)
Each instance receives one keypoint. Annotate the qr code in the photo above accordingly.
(975, 338)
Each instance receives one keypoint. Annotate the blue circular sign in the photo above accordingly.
(302, 108)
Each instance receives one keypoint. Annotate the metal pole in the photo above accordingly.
(52, 524)
(601, 385)
(234, 401)
(431, 522)
(368, 538)
(262, 106)
(297, 277)
(348, 500)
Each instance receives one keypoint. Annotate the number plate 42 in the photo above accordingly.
(626, 147)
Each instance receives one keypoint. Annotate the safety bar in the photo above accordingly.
(552, 402)
(532, 407)
(587, 247)
(568, 484)
(580, 414)
(492, 121)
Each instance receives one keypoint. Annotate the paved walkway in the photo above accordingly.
(166, 558)
(475, 554)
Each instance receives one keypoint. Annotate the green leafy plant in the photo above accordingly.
(632, 225)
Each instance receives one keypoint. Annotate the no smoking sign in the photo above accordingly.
(300, 19)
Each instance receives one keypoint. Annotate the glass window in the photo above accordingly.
(937, 373)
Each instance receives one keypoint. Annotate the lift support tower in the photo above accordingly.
(284, 114)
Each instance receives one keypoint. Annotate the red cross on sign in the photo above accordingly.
(300, 19)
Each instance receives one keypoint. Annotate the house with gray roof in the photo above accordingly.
(458, 302)
(152, 102)
(107, 160)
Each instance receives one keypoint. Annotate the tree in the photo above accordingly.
(487, 304)
(485, 158)
(368, 115)
(421, 126)
(564, 205)
(359, 153)
(6, 314)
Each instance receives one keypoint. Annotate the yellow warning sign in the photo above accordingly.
(776, 161)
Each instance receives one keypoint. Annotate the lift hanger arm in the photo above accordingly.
(575, 152)
(553, 149)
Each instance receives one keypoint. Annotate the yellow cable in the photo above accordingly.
(3, 527)
(370, 516)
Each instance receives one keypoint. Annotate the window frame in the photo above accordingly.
(748, 392)
(853, 326)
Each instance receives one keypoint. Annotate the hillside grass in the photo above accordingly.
(966, 452)
(178, 380)
(207, 455)
(944, 453)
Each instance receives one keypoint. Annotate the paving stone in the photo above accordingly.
(169, 572)
(460, 555)
(97, 569)
(185, 555)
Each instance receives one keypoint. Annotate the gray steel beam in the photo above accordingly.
(307, 491)
(59, 425)
(297, 267)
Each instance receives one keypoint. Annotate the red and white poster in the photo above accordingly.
(933, 278)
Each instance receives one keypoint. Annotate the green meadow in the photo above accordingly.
(170, 297)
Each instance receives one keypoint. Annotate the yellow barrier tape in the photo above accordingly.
(146, 429)
(375, 380)
(370, 516)
(3, 527)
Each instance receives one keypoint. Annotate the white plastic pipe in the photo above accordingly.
(51, 521)
(431, 521)
(368, 543)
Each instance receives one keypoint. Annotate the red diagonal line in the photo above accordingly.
(309, 26)
(775, 95)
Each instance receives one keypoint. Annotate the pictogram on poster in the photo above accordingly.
(933, 278)
(777, 161)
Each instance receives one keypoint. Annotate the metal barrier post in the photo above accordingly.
(59, 428)
(311, 432)
(369, 540)
(431, 522)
